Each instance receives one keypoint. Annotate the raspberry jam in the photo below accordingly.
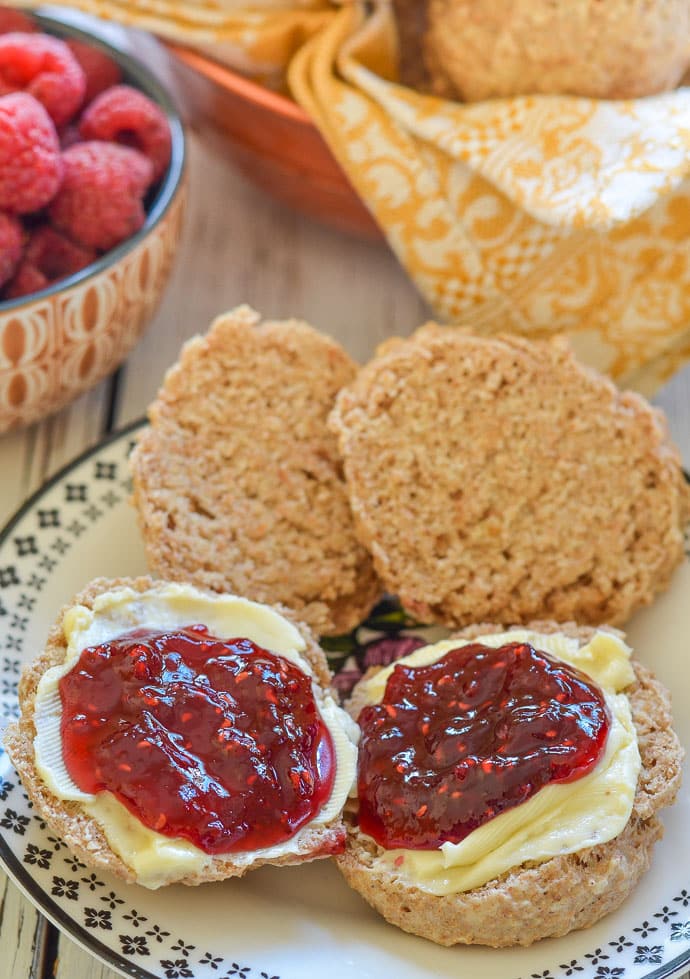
(458, 742)
(216, 741)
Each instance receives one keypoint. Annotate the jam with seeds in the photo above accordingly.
(455, 743)
(216, 741)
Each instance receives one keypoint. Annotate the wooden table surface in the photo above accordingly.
(238, 246)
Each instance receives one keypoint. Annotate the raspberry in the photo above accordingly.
(48, 257)
(55, 256)
(68, 136)
(15, 20)
(45, 68)
(124, 115)
(30, 163)
(100, 201)
(27, 280)
(10, 246)
(101, 72)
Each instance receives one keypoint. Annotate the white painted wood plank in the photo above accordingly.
(74, 963)
(29, 457)
(16, 462)
(239, 246)
(28, 943)
(675, 400)
(22, 931)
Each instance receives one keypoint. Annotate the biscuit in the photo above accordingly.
(237, 481)
(554, 897)
(498, 479)
(615, 50)
(82, 834)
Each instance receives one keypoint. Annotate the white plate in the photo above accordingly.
(290, 923)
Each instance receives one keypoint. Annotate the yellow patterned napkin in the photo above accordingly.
(536, 215)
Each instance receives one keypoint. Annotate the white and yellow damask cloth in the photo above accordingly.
(536, 215)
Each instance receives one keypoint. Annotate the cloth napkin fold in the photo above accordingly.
(536, 215)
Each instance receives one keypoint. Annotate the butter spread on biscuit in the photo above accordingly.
(154, 857)
(560, 818)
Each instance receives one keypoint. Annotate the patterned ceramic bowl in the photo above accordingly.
(57, 343)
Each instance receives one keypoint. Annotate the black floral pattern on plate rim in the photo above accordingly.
(387, 634)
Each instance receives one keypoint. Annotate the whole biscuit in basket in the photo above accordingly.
(615, 50)
(238, 482)
(498, 479)
(538, 899)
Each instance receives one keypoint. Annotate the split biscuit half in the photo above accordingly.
(498, 479)
(237, 481)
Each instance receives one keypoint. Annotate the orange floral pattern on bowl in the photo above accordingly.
(60, 345)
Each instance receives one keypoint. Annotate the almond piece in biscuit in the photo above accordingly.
(82, 833)
(538, 899)
(238, 483)
(499, 479)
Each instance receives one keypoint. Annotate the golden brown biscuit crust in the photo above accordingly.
(614, 50)
(538, 900)
(237, 482)
(499, 479)
(548, 900)
(81, 833)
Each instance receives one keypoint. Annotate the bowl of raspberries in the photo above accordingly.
(91, 199)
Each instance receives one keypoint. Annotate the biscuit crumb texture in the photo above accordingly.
(557, 896)
(82, 834)
(237, 481)
(619, 49)
(499, 479)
